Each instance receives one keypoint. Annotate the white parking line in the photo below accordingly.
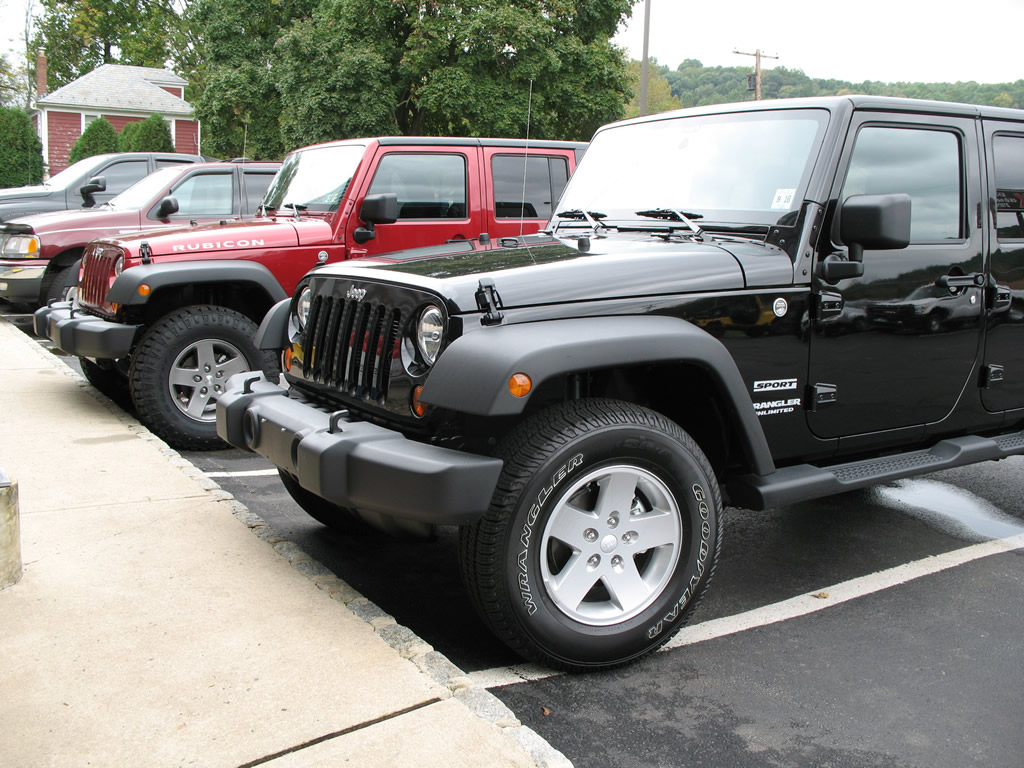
(243, 473)
(801, 605)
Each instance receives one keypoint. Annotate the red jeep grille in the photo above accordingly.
(98, 275)
(350, 345)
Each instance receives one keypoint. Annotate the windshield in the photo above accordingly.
(314, 179)
(740, 168)
(141, 192)
(78, 172)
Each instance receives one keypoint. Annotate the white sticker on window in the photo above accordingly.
(783, 199)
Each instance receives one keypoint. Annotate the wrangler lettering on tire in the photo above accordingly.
(601, 537)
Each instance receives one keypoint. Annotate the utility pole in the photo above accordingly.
(643, 64)
(757, 69)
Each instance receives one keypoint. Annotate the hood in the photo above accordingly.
(14, 194)
(557, 271)
(275, 232)
(76, 218)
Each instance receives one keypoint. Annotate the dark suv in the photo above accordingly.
(89, 182)
(564, 403)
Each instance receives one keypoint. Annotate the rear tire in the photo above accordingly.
(601, 537)
(180, 368)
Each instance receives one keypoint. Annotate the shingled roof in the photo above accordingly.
(120, 87)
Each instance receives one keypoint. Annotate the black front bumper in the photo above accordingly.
(83, 335)
(355, 464)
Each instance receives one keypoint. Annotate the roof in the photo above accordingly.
(122, 88)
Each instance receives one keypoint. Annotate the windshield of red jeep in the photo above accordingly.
(735, 168)
(315, 179)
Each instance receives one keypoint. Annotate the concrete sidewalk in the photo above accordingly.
(151, 626)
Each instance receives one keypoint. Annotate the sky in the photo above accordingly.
(854, 40)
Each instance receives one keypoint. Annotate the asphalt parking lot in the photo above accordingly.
(879, 628)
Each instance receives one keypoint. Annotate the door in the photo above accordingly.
(1003, 369)
(898, 346)
(436, 200)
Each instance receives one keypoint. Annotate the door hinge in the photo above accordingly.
(991, 374)
(820, 395)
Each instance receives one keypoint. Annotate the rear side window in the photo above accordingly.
(206, 194)
(120, 176)
(254, 188)
(428, 186)
(922, 163)
(1008, 153)
(527, 187)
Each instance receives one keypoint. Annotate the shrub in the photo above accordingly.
(152, 135)
(21, 152)
(98, 138)
(128, 136)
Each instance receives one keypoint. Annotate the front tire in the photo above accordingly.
(180, 368)
(601, 538)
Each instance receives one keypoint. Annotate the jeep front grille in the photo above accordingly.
(98, 275)
(350, 345)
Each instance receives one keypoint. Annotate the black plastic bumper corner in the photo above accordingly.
(83, 335)
(355, 464)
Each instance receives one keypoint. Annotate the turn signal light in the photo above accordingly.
(418, 408)
(286, 358)
(144, 290)
(520, 385)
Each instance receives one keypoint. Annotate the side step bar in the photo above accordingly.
(804, 482)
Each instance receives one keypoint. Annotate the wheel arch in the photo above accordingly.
(244, 286)
(662, 362)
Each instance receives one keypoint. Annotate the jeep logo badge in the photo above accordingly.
(355, 293)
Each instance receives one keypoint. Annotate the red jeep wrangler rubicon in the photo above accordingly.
(171, 315)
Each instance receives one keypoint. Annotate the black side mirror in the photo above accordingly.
(166, 207)
(872, 222)
(376, 209)
(91, 187)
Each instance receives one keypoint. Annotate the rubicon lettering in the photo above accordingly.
(217, 245)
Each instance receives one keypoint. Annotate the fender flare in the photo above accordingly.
(273, 331)
(158, 276)
(472, 373)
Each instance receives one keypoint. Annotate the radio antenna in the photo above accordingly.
(526, 160)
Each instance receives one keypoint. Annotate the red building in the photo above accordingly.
(119, 93)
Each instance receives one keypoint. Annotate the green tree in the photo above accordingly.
(21, 153)
(360, 67)
(659, 93)
(124, 141)
(152, 135)
(98, 138)
(239, 104)
(79, 35)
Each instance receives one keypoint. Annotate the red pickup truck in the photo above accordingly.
(40, 253)
(172, 315)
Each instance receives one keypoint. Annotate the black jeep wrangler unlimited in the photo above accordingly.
(728, 297)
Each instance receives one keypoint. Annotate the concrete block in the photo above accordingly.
(10, 532)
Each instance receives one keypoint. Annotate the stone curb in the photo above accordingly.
(435, 665)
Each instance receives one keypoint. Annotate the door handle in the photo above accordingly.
(953, 283)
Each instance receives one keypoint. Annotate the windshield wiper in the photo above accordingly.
(296, 207)
(673, 213)
(592, 218)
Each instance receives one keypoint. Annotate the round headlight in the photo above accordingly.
(119, 266)
(302, 307)
(430, 333)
